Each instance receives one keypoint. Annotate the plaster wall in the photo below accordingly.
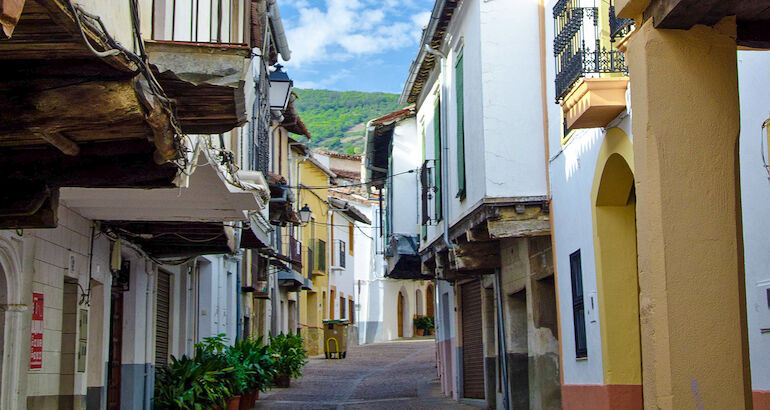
(406, 155)
(753, 83)
(572, 172)
(512, 112)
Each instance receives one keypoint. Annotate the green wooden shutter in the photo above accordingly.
(437, 156)
(460, 128)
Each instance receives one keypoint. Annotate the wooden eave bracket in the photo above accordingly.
(10, 12)
(159, 120)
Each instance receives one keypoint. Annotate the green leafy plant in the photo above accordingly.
(423, 323)
(256, 359)
(189, 384)
(289, 354)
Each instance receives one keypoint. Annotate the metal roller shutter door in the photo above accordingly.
(162, 308)
(473, 354)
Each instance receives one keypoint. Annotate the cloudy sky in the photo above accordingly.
(362, 45)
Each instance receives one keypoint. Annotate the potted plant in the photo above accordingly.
(289, 355)
(424, 324)
(256, 360)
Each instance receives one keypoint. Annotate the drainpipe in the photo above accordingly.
(148, 336)
(238, 295)
(501, 337)
(278, 32)
(444, 143)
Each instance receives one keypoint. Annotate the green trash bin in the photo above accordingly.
(336, 338)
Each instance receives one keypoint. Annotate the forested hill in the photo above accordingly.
(336, 119)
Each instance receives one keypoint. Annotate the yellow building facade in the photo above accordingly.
(314, 304)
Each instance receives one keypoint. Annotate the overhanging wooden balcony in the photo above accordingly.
(594, 102)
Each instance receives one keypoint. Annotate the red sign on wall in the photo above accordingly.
(36, 347)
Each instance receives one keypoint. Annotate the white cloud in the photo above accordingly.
(343, 29)
(324, 83)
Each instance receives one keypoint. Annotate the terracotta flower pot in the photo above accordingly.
(282, 380)
(234, 403)
(247, 400)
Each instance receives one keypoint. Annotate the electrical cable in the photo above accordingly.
(762, 146)
(351, 185)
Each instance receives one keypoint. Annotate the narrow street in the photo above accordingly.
(400, 374)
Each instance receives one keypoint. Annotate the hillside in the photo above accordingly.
(336, 119)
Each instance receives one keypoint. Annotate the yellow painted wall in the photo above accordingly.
(614, 218)
(312, 303)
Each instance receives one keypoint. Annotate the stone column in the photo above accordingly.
(684, 95)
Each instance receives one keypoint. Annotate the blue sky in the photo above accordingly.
(361, 45)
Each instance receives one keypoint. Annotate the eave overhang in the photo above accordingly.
(344, 207)
(208, 195)
(208, 82)
(379, 136)
(168, 239)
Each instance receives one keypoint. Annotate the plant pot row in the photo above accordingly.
(246, 401)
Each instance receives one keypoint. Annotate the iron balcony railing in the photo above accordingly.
(575, 58)
(295, 250)
(200, 21)
(619, 27)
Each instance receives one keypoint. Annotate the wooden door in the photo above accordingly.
(472, 348)
(429, 301)
(400, 314)
(331, 303)
(116, 351)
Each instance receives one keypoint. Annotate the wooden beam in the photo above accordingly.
(683, 14)
(510, 223)
(64, 144)
(475, 257)
(29, 208)
(754, 34)
(10, 11)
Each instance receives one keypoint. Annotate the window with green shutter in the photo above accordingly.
(460, 127)
(437, 156)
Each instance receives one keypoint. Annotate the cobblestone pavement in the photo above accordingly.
(394, 375)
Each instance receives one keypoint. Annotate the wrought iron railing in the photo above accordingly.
(295, 250)
(575, 58)
(619, 27)
(259, 149)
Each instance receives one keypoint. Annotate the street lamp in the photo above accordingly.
(280, 88)
(304, 214)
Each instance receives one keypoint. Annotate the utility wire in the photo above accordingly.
(350, 185)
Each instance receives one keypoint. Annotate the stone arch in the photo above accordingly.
(12, 312)
(613, 200)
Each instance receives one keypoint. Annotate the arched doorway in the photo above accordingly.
(429, 300)
(400, 314)
(13, 307)
(418, 302)
(614, 211)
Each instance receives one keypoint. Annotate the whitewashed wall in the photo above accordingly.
(407, 155)
(754, 83)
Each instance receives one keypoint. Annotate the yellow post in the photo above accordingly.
(684, 94)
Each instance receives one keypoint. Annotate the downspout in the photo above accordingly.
(238, 296)
(501, 336)
(278, 32)
(148, 322)
(444, 143)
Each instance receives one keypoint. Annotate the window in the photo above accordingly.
(437, 156)
(342, 307)
(460, 127)
(578, 308)
(340, 252)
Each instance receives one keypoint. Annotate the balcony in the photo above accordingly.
(594, 102)
(295, 252)
(403, 258)
(577, 47)
(318, 252)
(619, 27)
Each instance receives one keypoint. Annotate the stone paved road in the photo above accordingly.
(393, 375)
